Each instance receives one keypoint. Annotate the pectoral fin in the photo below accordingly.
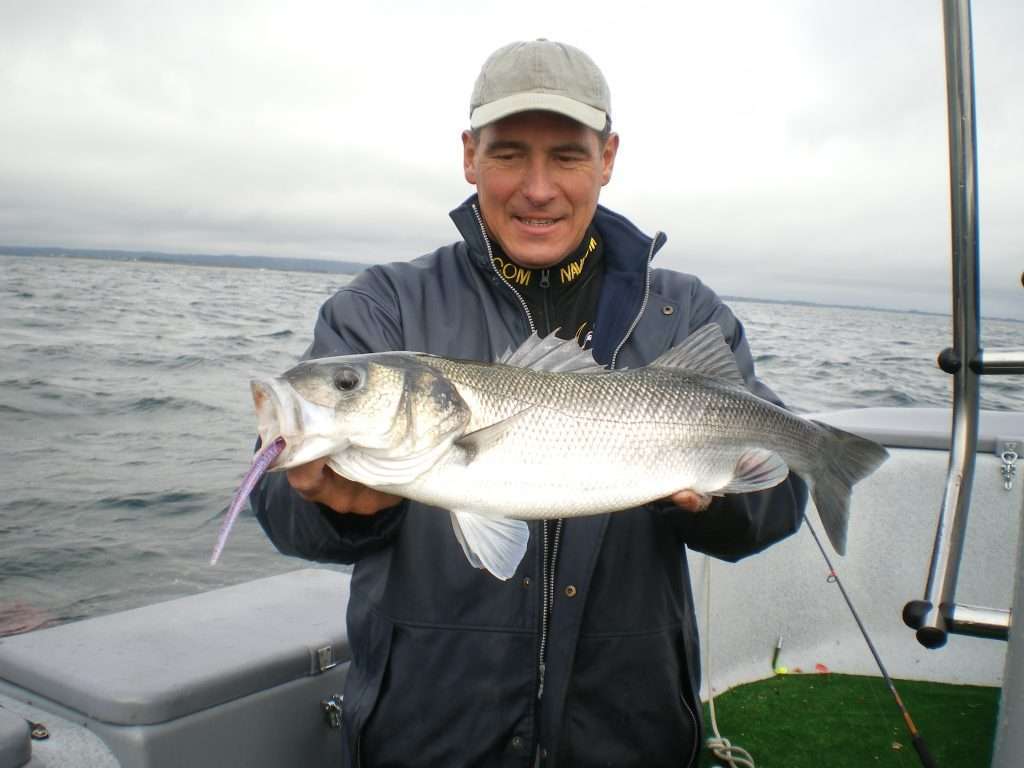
(494, 544)
(479, 441)
(756, 470)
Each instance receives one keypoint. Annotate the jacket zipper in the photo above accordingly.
(643, 304)
(547, 579)
(549, 555)
(545, 283)
(490, 259)
(548, 572)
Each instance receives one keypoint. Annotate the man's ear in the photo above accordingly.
(608, 153)
(469, 156)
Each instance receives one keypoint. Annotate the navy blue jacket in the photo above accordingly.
(445, 656)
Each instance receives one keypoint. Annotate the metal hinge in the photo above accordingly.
(1009, 452)
(332, 709)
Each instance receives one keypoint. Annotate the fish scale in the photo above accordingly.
(609, 463)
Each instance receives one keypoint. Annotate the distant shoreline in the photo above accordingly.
(191, 259)
(326, 266)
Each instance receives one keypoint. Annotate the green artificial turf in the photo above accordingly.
(840, 721)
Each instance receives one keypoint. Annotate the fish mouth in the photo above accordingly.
(275, 420)
(282, 413)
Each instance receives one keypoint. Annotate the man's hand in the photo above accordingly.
(317, 482)
(691, 501)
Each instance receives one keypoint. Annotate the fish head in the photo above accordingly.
(390, 404)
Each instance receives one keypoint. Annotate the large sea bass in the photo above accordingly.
(546, 433)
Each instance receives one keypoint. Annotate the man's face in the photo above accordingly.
(538, 176)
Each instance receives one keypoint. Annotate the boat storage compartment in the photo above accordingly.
(232, 677)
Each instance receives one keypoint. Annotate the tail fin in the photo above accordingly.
(848, 459)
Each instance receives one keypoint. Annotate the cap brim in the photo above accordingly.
(546, 102)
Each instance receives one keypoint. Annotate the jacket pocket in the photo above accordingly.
(630, 702)
(453, 697)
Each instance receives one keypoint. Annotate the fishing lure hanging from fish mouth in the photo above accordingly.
(260, 464)
(274, 422)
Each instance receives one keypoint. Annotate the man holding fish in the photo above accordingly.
(478, 638)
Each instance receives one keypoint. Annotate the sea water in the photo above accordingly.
(126, 421)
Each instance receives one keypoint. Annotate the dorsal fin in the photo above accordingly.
(553, 355)
(705, 351)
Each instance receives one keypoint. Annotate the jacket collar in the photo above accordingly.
(627, 254)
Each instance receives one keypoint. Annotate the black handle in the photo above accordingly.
(922, 751)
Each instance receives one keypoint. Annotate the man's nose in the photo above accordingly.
(538, 183)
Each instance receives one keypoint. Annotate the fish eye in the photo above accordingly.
(346, 379)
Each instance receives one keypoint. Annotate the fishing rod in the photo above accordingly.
(915, 735)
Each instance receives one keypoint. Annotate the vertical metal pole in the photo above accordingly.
(929, 616)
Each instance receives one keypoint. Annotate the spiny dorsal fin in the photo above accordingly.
(705, 351)
(553, 355)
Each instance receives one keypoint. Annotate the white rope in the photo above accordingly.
(723, 750)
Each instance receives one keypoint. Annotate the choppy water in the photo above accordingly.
(126, 421)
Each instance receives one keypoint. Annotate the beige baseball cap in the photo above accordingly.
(540, 74)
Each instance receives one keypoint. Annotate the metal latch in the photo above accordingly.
(332, 710)
(325, 658)
(1009, 452)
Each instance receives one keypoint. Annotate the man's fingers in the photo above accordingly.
(308, 479)
(367, 501)
(691, 501)
(317, 482)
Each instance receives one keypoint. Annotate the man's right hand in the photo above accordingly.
(317, 482)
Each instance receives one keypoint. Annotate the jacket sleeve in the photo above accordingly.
(357, 319)
(738, 525)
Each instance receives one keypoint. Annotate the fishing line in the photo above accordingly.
(918, 740)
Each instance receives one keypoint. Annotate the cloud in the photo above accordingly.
(800, 139)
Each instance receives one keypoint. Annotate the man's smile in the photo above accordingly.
(536, 223)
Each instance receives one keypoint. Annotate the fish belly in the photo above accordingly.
(559, 466)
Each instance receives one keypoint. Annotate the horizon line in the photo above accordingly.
(342, 266)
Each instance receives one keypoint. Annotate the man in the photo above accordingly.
(589, 654)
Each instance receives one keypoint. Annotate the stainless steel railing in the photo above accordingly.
(937, 614)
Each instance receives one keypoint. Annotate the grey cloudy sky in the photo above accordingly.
(789, 149)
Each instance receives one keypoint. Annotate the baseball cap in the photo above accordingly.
(540, 74)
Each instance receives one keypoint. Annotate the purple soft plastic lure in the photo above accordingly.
(260, 463)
